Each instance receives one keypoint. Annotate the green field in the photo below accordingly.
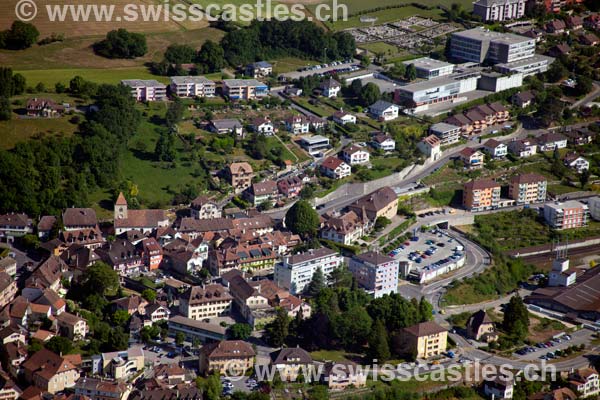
(355, 6)
(17, 130)
(50, 77)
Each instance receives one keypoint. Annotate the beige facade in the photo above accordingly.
(424, 340)
(205, 302)
(226, 357)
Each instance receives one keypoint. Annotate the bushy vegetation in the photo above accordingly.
(263, 40)
(20, 36)
(122, 44)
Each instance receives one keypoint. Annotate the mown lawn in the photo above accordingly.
(290, 64)
(18, 130)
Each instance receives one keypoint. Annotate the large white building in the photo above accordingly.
(594, 208)
(499, 10)
(146, 90)
(509, 52)
(296, 272)
(192, 86)
(428, 68)
(376, 273)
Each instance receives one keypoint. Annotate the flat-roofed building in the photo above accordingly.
(447, 133)
(439, 90)
(193, 329)
(314, 144)
(296, 272)
(567, 215)
(146, 90)
(535, 64)
(428, 68)
(480, 44)
(192, 86)
(375, 272)
(244, 89)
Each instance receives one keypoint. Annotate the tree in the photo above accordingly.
(179, 338)
(101, 278)
(356, 87)
(239, 331)
(21, 35)
(277, 330)
(425, 310)
(148, 333)
(379, 347)
(149, 295)
(59, 345)
(302, 219)
(5, 110)
(122, 44)
(120, 318)
(556, 72)
(410, 74)
(584, 178)
(381, 222)
(584, 85)
(180, 54)
(174, 112)
(369, 94)
(340, 277)
(210, 386)
(316, 284)
(211, 57)
(516, 318)
(19, 84)
(165, 147)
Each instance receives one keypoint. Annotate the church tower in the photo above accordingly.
(121, 207)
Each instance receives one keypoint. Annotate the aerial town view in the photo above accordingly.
(299, 199)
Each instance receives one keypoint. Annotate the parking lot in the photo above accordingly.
(432, 253)
(552, 349)
(339, 67)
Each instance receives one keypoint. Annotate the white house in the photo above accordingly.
(335, 168)
(523, 148)
(297, 124)
(384, 111)
(330, 88)
(495, 148)
(383, 142)
(585, 381)
(551, 141)
(264, 126)
(431, 147)
(343, 118)
(355, 155)
(577, 163)
(499, 388)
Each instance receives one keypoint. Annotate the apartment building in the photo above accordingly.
(244, 89)
(50, 372)
(260, 69)
(122, 365)
(495, 148)
(447, 133)
(567, 215)
(226, 357)
(499, 10)
(431, 147)
(528, 188)
(375, 272)
(296, 272)
(146, 90)
(346, 228)
(429, 68)
(471, 158)
(424, 340)
(204, 208)
(200, 302)
(481, 194)
(240, 175)
(192, 86)
(72, 326)
(8, 289)
(101, 389)
(262, 192)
